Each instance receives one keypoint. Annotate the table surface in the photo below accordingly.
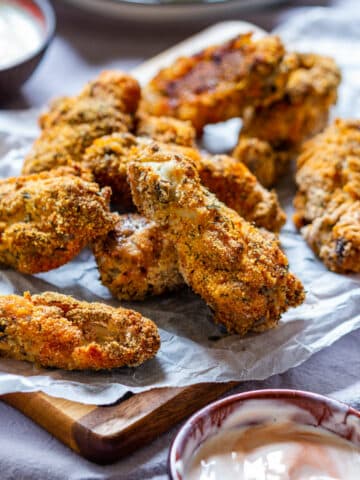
(85, 44)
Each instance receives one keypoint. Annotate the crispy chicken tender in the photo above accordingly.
(328, 199)
(241, 274)
(234, 184)
(54, 330)
(166, 130)
(47, 218)
(107, 159)
(231, 181)
(266, 163)
(105, 105)
(310, 91)
(137, 259)
(272, 134)
(219, 82)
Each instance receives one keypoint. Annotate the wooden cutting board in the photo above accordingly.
(104, 434)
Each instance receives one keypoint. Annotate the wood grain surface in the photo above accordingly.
(105, 434)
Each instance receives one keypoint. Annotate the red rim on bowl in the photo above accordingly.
(332, 415)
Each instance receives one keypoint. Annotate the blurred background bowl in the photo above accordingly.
(13, 76)
(170, 10)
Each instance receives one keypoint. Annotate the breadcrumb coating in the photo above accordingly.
(47, 218)
(241, 274)
(107, 159)
(71, 125)
(166, 130)
(233, 183)
(328, 199)
(137, 259)
(219, 82)
(310, 91)
(54, 330)
(230, 180)
(272, 135)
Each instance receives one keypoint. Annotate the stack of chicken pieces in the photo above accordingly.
(118, 169)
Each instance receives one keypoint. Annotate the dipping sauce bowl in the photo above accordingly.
(242, 437)
(26, 30)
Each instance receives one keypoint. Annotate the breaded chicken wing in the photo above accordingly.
(54, 330)
(328, 199)
(47, 218)
(263, 161)
(105, 105)
(137, 259)
(108, 157)
(310, 91)
(241, 274)
(219, 82)
(272, 135)
(234, 184)
(230, 180)
(166, 130)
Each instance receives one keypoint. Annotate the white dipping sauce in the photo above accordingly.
(281, 450)
(20, 34)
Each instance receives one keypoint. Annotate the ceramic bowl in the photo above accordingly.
(324, 412)
(13, 77)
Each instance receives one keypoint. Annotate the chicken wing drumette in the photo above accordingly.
(106, 105)
(219, 82)
(274, 133)
(328, 199)
(47, 218)
(54, 330)
(137, 259)
(241, 273)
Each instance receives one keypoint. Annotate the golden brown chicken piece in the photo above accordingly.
(328, 199)
(234, 184)
(47, 218)
(106, 105)
(266, 163)
(272, 135)
(166, 130)
(241, 274)
(137, 259)
(54, 330)
(219, 82)
(108, 157)
(231, 181)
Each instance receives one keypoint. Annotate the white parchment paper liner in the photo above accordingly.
(193, 349)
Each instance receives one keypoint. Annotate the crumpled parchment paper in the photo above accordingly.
(193, 349)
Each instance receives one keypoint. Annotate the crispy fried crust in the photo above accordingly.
(108, 157)
(303, 111)
(47, 218)
(54, 330)
(219, 82)
(230, 180)
(272, 135)
(105, 105)
(241, 274)
(166, 130)
(137, 259)
(266, 163)
(328, 199)
(238, 188)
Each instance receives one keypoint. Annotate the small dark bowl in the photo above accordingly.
(329, 414)
(13, 77)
